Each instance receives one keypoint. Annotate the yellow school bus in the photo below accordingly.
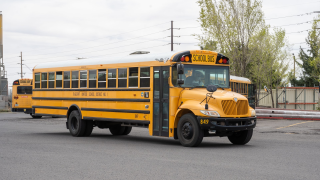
(185, 95)
(243, 86)
(22, 96)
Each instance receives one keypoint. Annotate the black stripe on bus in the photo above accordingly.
(60, 116)
(91, 89)
(117, 120)
(50, 107)
(93, 99)
(116, 110)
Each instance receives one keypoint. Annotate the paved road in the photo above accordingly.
(44, 149)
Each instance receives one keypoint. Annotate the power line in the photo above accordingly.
(33, 60)
(294, 15)
(293, 5)
(101, 45)
(113, 53)
(107, 36)
(293, 24)
(299, 31)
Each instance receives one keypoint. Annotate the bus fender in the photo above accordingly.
(190, 106)
(73, 107)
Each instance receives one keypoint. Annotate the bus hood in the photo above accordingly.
(226, 103)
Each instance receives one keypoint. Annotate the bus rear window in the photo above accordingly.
(24, 90)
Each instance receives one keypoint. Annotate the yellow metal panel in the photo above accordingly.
(51, 111)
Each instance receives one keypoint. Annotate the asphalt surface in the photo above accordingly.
(44, 149)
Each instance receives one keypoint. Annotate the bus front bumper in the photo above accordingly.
(227, 124)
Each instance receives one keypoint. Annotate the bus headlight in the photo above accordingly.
(210, 113)
(253, 113)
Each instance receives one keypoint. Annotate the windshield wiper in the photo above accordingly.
(219, 87)
(197, 87)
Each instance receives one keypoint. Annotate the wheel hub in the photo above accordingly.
(187, 130)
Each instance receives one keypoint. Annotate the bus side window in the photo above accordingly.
(133, 77)
(145, 77)
(37, 80)
(44, 80)
(102, 78)
(112, 78)
(75, 79)
(59, 79)
(83, 79)
(66, 79)
(122, 77)
(92, 78)
(51, 79)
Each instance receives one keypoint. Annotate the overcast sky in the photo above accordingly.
(59, 30)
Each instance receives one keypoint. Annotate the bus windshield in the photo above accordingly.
(202, 76)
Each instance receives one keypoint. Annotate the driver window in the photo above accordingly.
(194, 77)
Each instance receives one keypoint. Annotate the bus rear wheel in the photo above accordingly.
(36, 117)
(241, 137)
(189, 132)
(127, 130)
(77, 126)
(120, 130)
(89, 127)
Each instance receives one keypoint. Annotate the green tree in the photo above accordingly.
(310, 60)
(239, 31)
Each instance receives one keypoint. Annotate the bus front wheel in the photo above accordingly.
(77, 126)
(189, 132)
(241, 137)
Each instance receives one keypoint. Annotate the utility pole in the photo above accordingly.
(294, 66)
(171, 35)
(21, 65)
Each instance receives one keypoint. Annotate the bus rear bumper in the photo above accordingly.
(227, 124)
(25, 110)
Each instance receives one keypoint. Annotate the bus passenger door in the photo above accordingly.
(160, 101)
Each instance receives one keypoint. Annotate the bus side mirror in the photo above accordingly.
(211, 88)
(180, 81)
(180, 68)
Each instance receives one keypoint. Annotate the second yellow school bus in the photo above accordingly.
(243, 86)
(185, 95)
(22, 96)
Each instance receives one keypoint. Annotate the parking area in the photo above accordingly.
(44, 149)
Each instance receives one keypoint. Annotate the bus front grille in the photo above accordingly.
(231, 107)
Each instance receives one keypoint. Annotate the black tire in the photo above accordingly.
(189, 132)
(241, 137)
(35, 117)
(117, 130)
(77, 126)
(89, 128)
(127, 130)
